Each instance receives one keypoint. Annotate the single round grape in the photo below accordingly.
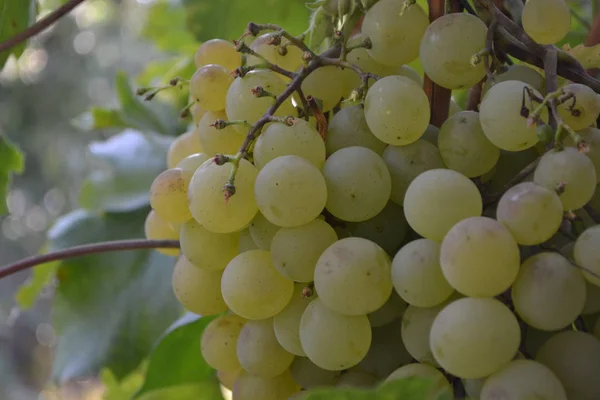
(392, 310)
(479, 257)
(443, 61)
(182, 146)
(572, 169)
(157, 228)
(253, 288)
(168, 196)
(308, 375)
(358, 379)
(407, 162)
(295, 251)
(334, 341)
(197, 113)
(362, 58)
(587, 254)
(287, 322)
(416, 326)
(209, 85)
(219, 342)
(411, 73)
(592, 299)
(574, 357)
(386, 352)
(300, 139)
(218, 141)
(439, 385)
(397, 110)
(206, 249)
(252, 387)
(218, 51)
(262, 231)
(581, 111)
(325, 84)
(517, 72)
(207, 201)
(358, 184)
(190, 164)
(290, 191)
(439, 198)
(395, 29)
(352, 276)
(417, 275)
(464, 147)
(286, 56)
(198, 289)
(546, 21)
(473, 338)
(348, 128)
(532, 213)
(592, 138)
(227, 378)
(246, 242)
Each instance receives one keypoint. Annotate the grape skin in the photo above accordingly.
(308, 375)
(586, 106)
(262, 231)
(190, 164)
(392, 310)
(252, 387)
(168, 196)
(592, 139)
(218, 141)
(209, 85)
(546, 21)
(206, 249)
(287, 323)
(291, 60)
(349, 128)
(517, 72)
(218, 51)
(416, 327)
(587, 254)
(357, 379)
(439, 386)
(325, 84)
(182, 146)
(157, 228)
(219, 342)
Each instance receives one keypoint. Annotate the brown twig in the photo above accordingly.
(319, 116)
(475, 96)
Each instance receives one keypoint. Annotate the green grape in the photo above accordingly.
(386, 352)
(209, 85)
(198, 289)
(358, 184)
(287, 322)
(168, 196)
(411, 73)
(473, 338)
(548, 293)
(242, 105)
(197, 113)
(546, 21)
(308, 375)
(300, 139)
(259, 351)
(253, 288)
(295, 251)
(395, 29)
(439, 198)
(218, 51)
(349, 128)
(246, 241)
(592, 138)
(572, 169)
(352, 276)
(416, 326)
(327, 85)
(587, 254)
(473, 387)
(592, 299)
(334, 341)
(286, 56)
(407, 162)
(443, 61)
(252, 387)
(530, 212)
(581, 111)
(227, 378)
(464, 147)
(206, 249)
(363, 60)
(479, 257)
(157, 228)
(574, 357)
(417, 275)
(431, 134)
(392, 310)
(219, 342)
(262, 231)
(290, 191)
(182, 146)
(517, 72)
(190, 164)
(388, 228)
(207, 201)
(397, 110)
(218, 141)
(439, 385)
(523, 379)
(508, 166)
(357, 378)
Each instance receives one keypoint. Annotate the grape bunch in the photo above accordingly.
(342, 240)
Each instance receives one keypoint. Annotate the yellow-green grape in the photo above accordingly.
(447, 64)
(295, 251)
(246, 241)
(219, 342)
(190, 164)
(262, 231)
(532, 213)
(197, 113)
(206, 249)
(417, 275)
(574, 357)
(549, 292)
(327, 85)
(218, 141)
(517, 72)
(431, 134)
(439, 198)
(592, 299)
(387, 352)
(508, 166)
(572, 169)
(357, 378)
(227, 378)
(473, 387)
(439, 385)
(363, 60)
(587, 254)
(207, 201)
(198, 289)
(243, 105)
(290, 191)
(279, 139)
(479, 257)
(334, 341)
(407, 162)
(464, 147)
(348, 128)
(352, 276)
(259, 351)
(252, 387)
(397, 110)
(392, 310)
(308, 375)
(581, 111)
(395, 29)
(253, 288)
(286, 56)
(218, 51)
(358, 184)
(411, 73)
(416, 326)
(182, 146)
(473, 338)
(209, 85)
(157, 228)
(287, 322)
(592, 139)
(168, 196)
(546, 21)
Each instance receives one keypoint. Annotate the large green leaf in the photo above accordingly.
(15, 16)
(109, 308)
(11, 161)
(165, 26)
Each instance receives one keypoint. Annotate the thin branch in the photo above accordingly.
(475, 96)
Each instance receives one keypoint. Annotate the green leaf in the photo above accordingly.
(320, 28)
(161, 71)
(123, 389)
(11, 162)
(176, 359)
(126, 165)
(109, 308)
(15, 17)
(166, 27)
(29, 291)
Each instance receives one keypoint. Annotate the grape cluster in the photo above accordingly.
(367, 249)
